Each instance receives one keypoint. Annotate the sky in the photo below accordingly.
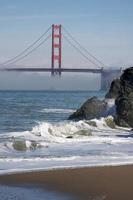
(103, 27)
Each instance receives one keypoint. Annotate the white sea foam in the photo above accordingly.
(66, 144)
(57, 110)
(111, 102)
(111, 108)
(64, 132)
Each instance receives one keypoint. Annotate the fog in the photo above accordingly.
(42, 81)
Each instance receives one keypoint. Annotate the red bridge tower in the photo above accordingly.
(56, 50)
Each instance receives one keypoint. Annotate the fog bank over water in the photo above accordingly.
(42, 81)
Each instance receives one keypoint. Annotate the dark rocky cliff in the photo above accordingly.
(124, 101)
(121, 90)
(114, 89)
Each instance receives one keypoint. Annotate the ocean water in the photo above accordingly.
(36, 135)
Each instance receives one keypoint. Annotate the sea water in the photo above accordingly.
(36, 135)
(30, 193)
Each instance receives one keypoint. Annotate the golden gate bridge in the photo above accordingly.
(57, 33)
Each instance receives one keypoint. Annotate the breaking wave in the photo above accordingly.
(46, 133)
(66, 144)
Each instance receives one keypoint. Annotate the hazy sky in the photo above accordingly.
(104, 27)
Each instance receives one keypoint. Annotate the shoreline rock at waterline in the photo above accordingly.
(122, 91)
(92, 108)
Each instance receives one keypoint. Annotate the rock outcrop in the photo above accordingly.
(114, 89)
(92, 108)
(124, 101)
(122, 91)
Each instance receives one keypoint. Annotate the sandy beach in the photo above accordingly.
(111, 183)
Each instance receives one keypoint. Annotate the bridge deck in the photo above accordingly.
(83, 70)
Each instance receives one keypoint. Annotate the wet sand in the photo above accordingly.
(95, 183)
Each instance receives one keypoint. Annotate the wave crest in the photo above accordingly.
(57, 110)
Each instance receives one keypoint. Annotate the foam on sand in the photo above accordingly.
(29, 193)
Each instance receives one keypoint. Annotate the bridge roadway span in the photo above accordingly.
(55, 70)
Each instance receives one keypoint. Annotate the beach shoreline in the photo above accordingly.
(108, 182)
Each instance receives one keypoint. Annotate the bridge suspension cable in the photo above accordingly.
(16, 58)
(22, 57)
(80, 51)
(82, 47)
